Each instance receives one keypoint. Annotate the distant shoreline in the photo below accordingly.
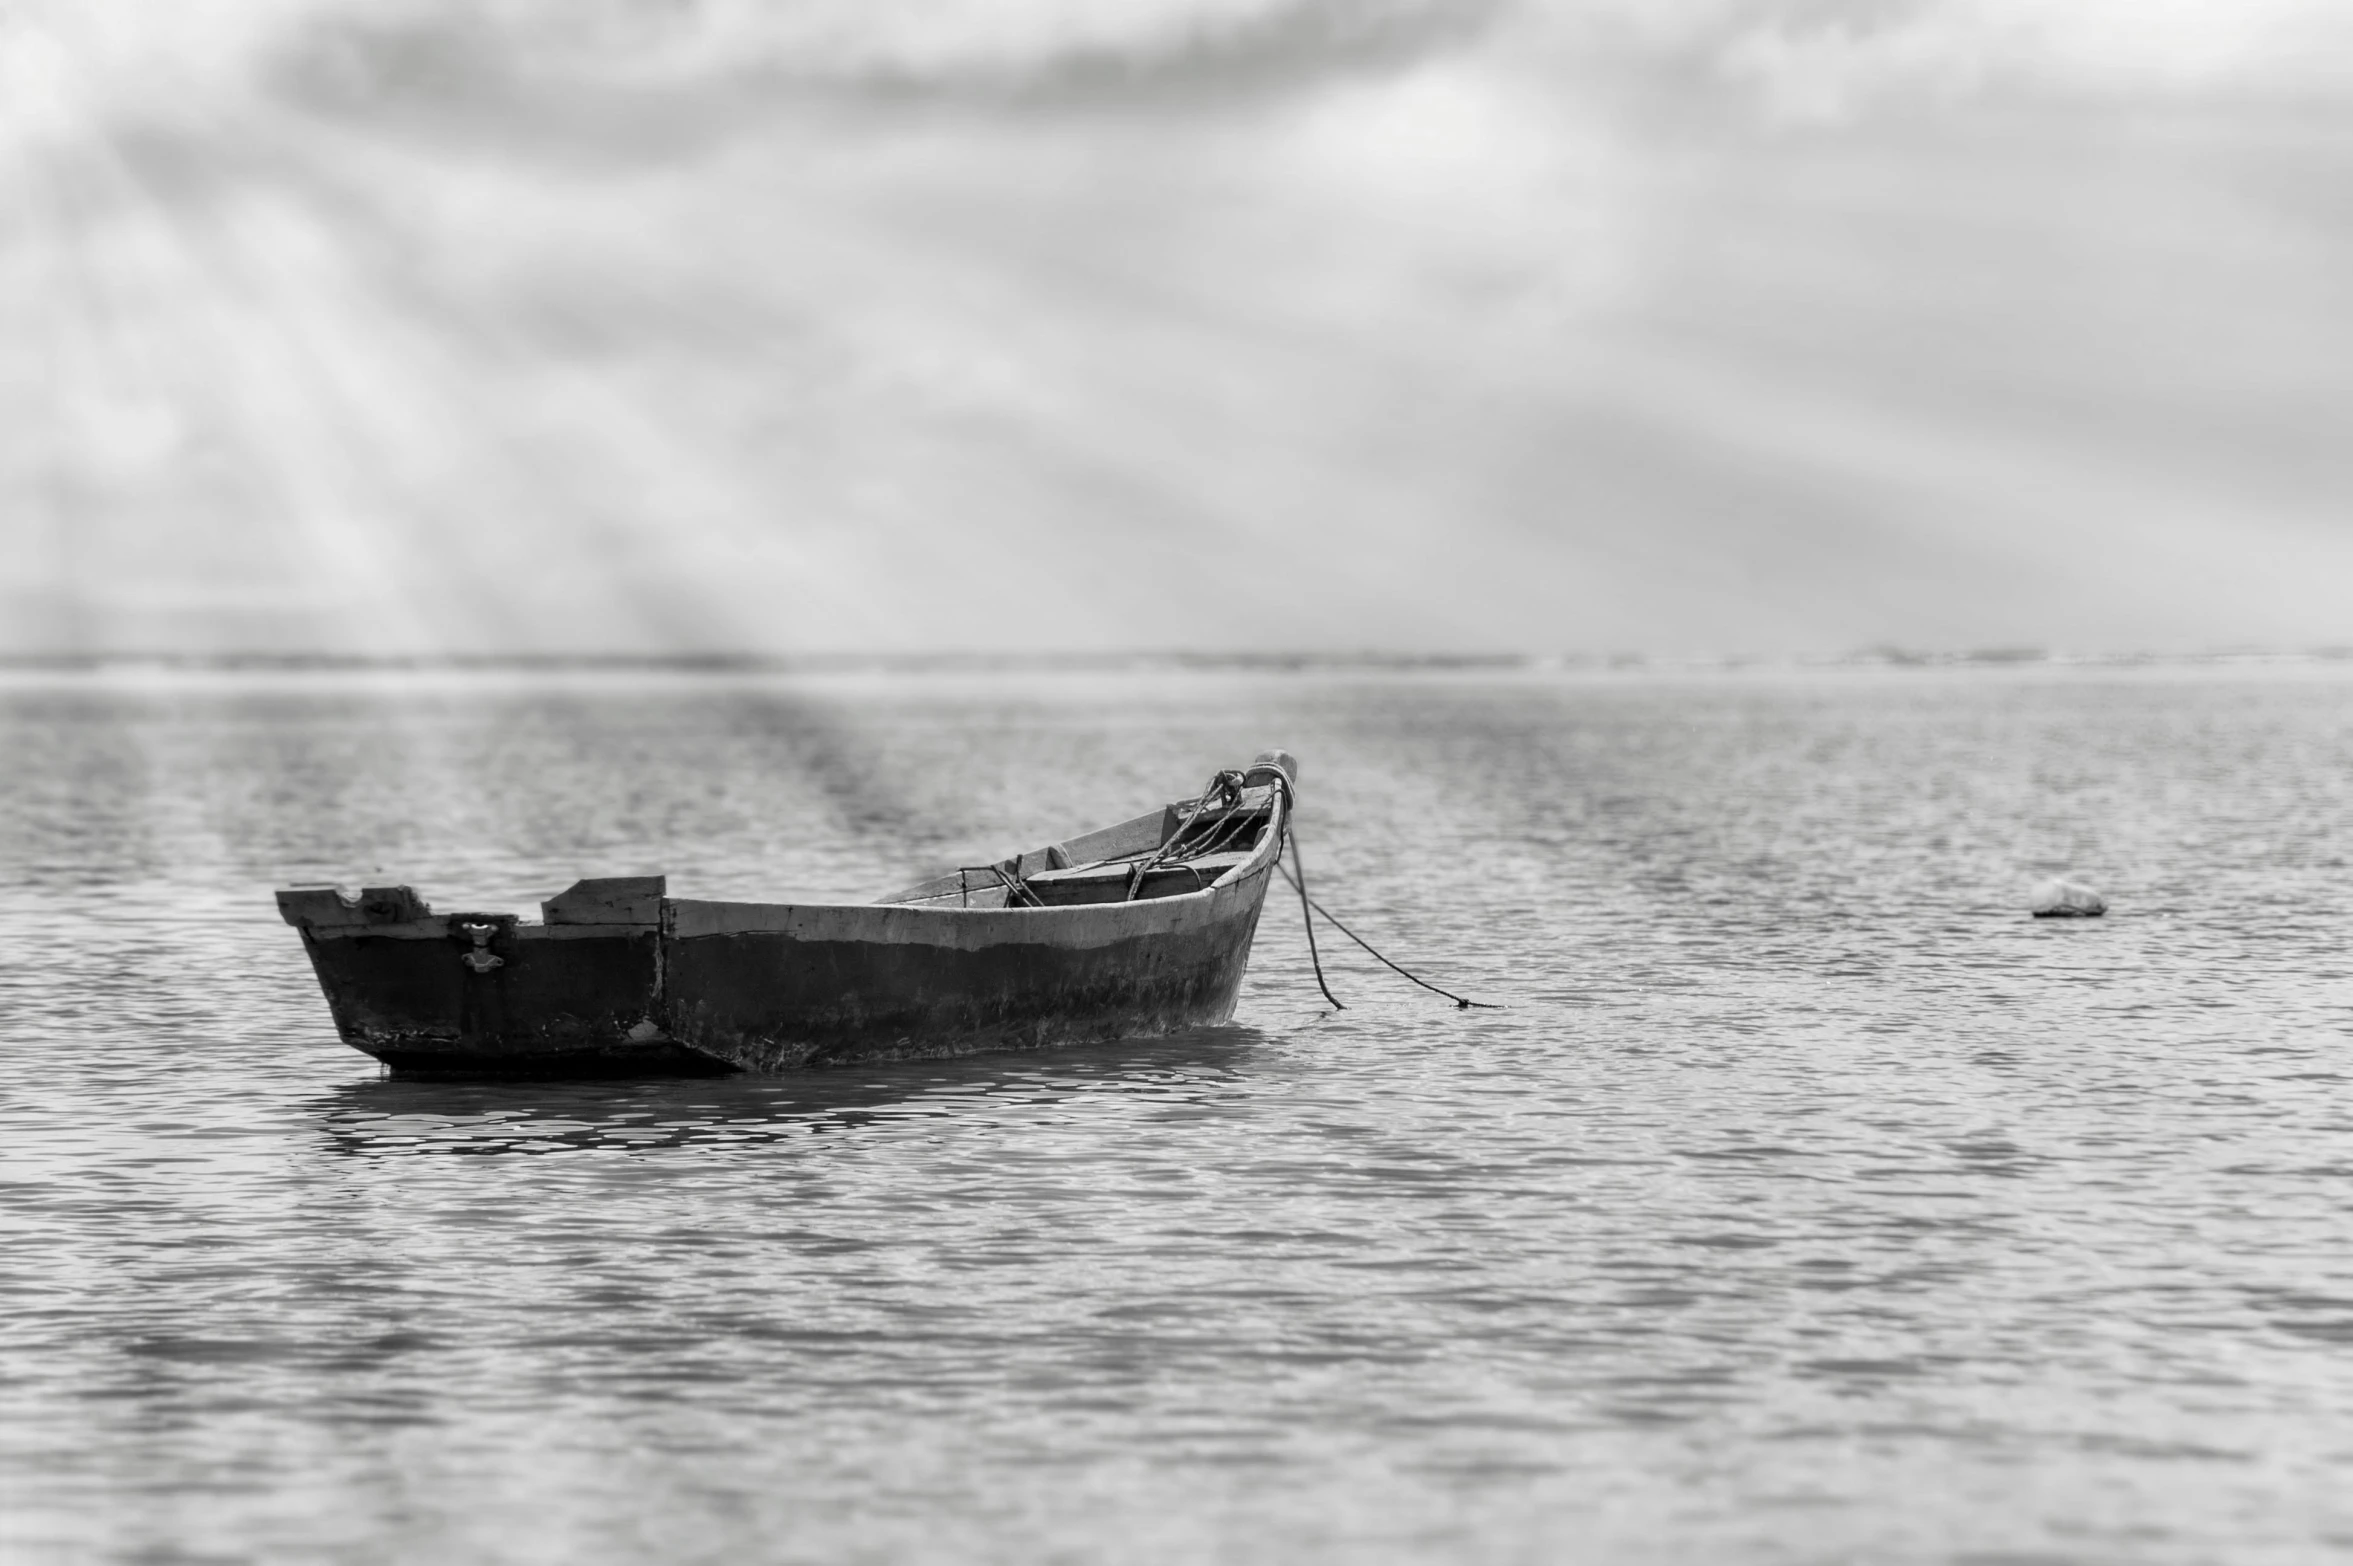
(1130, 662)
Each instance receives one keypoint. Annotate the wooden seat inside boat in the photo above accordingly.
(1108, 883)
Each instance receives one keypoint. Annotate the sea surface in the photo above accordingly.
(1805, 1200)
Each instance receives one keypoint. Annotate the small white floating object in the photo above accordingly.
(2063, 899)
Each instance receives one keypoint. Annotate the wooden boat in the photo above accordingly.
(1136, 929)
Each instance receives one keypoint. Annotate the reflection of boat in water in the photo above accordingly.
(480, 1117)
(1137, 929)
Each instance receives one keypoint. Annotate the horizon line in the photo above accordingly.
(1047, 661)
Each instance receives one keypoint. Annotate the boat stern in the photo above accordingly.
(490, 993)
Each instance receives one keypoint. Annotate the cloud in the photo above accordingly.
(1695, 323)
(1042, 53)
(1820, 62)
(495, 64)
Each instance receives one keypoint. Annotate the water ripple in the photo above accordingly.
(1806, 1201)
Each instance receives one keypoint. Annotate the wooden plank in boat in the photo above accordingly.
(1140, 835)
(1108, 883)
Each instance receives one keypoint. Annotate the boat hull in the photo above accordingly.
(722, 987)
(771, 990)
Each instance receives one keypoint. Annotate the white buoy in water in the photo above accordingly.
(2059, 898)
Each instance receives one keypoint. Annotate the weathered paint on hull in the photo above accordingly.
(626, 1060)
(776, 1000)
(639, 1001)
(585, 1005)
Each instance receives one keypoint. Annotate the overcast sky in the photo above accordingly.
(1679, 326)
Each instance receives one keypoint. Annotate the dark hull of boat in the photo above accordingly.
(622, 980)
(565, 1065)
(839, 989)
(583, 1005)
(745, 987)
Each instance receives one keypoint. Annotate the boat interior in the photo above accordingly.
(1188, 846)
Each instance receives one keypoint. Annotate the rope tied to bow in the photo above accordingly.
(1299, 884)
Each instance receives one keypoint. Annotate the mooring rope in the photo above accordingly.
(1300, 885)
(1226, 788)
(1291, 843)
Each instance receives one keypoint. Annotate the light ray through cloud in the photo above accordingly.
(1715, 326)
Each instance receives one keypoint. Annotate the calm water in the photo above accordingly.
(1808, 1201)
